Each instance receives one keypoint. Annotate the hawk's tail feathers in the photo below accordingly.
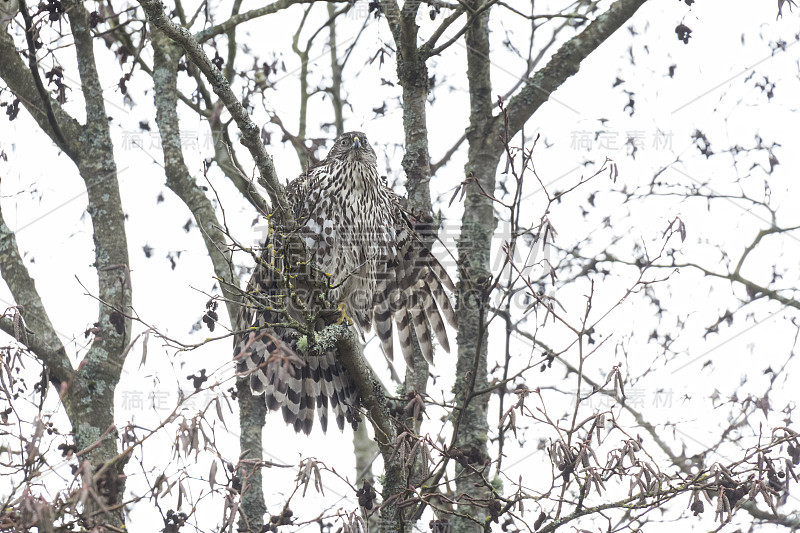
(297, 385)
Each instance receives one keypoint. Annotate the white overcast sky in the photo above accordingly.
(713, 89)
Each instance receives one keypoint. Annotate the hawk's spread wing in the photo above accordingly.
(412, 292)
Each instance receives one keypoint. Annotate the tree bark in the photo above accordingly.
(252, 409)
(474, 246)
(565, 63)
(87, 393)
(412, 74)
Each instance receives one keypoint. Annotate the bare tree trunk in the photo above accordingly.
(252, 416)
(412, 73)
(252, 410)
(88, 393)
(474, 246)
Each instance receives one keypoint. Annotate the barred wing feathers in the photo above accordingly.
(412, 294)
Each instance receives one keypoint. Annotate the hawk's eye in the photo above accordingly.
(345, 142)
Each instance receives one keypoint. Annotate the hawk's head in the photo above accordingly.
(351, 147)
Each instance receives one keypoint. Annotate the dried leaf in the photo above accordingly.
(318, 480)
(768, 498)
(181, 490)
(218, 407)
(127, 349)
(144, 348)
(212, 474)
(413, 451)
(600, 423)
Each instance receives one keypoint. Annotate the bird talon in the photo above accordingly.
(343, 318)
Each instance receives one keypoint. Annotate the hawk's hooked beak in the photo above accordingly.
(356, 143)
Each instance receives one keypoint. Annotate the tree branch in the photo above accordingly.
(372, 391)
(251, 138)
(226, 160)
(179, 180)
(44, 341)
(427, 49)
(478, 223)
(565, 63)
(99, 171)
(19, 79)
(235, 20)
(34, 68)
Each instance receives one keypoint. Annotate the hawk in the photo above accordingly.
(355, 231)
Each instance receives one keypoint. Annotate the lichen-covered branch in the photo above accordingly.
(88, 393)
(252, 409)
(374, 401)
(42, 339)
(251, 138)
(99, 171)
(565, 63)
(240, 18)
(19, 79)
(474, 246)
(165, 76)
(412, 73)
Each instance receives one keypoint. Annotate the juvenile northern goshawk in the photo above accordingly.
(355, 230)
